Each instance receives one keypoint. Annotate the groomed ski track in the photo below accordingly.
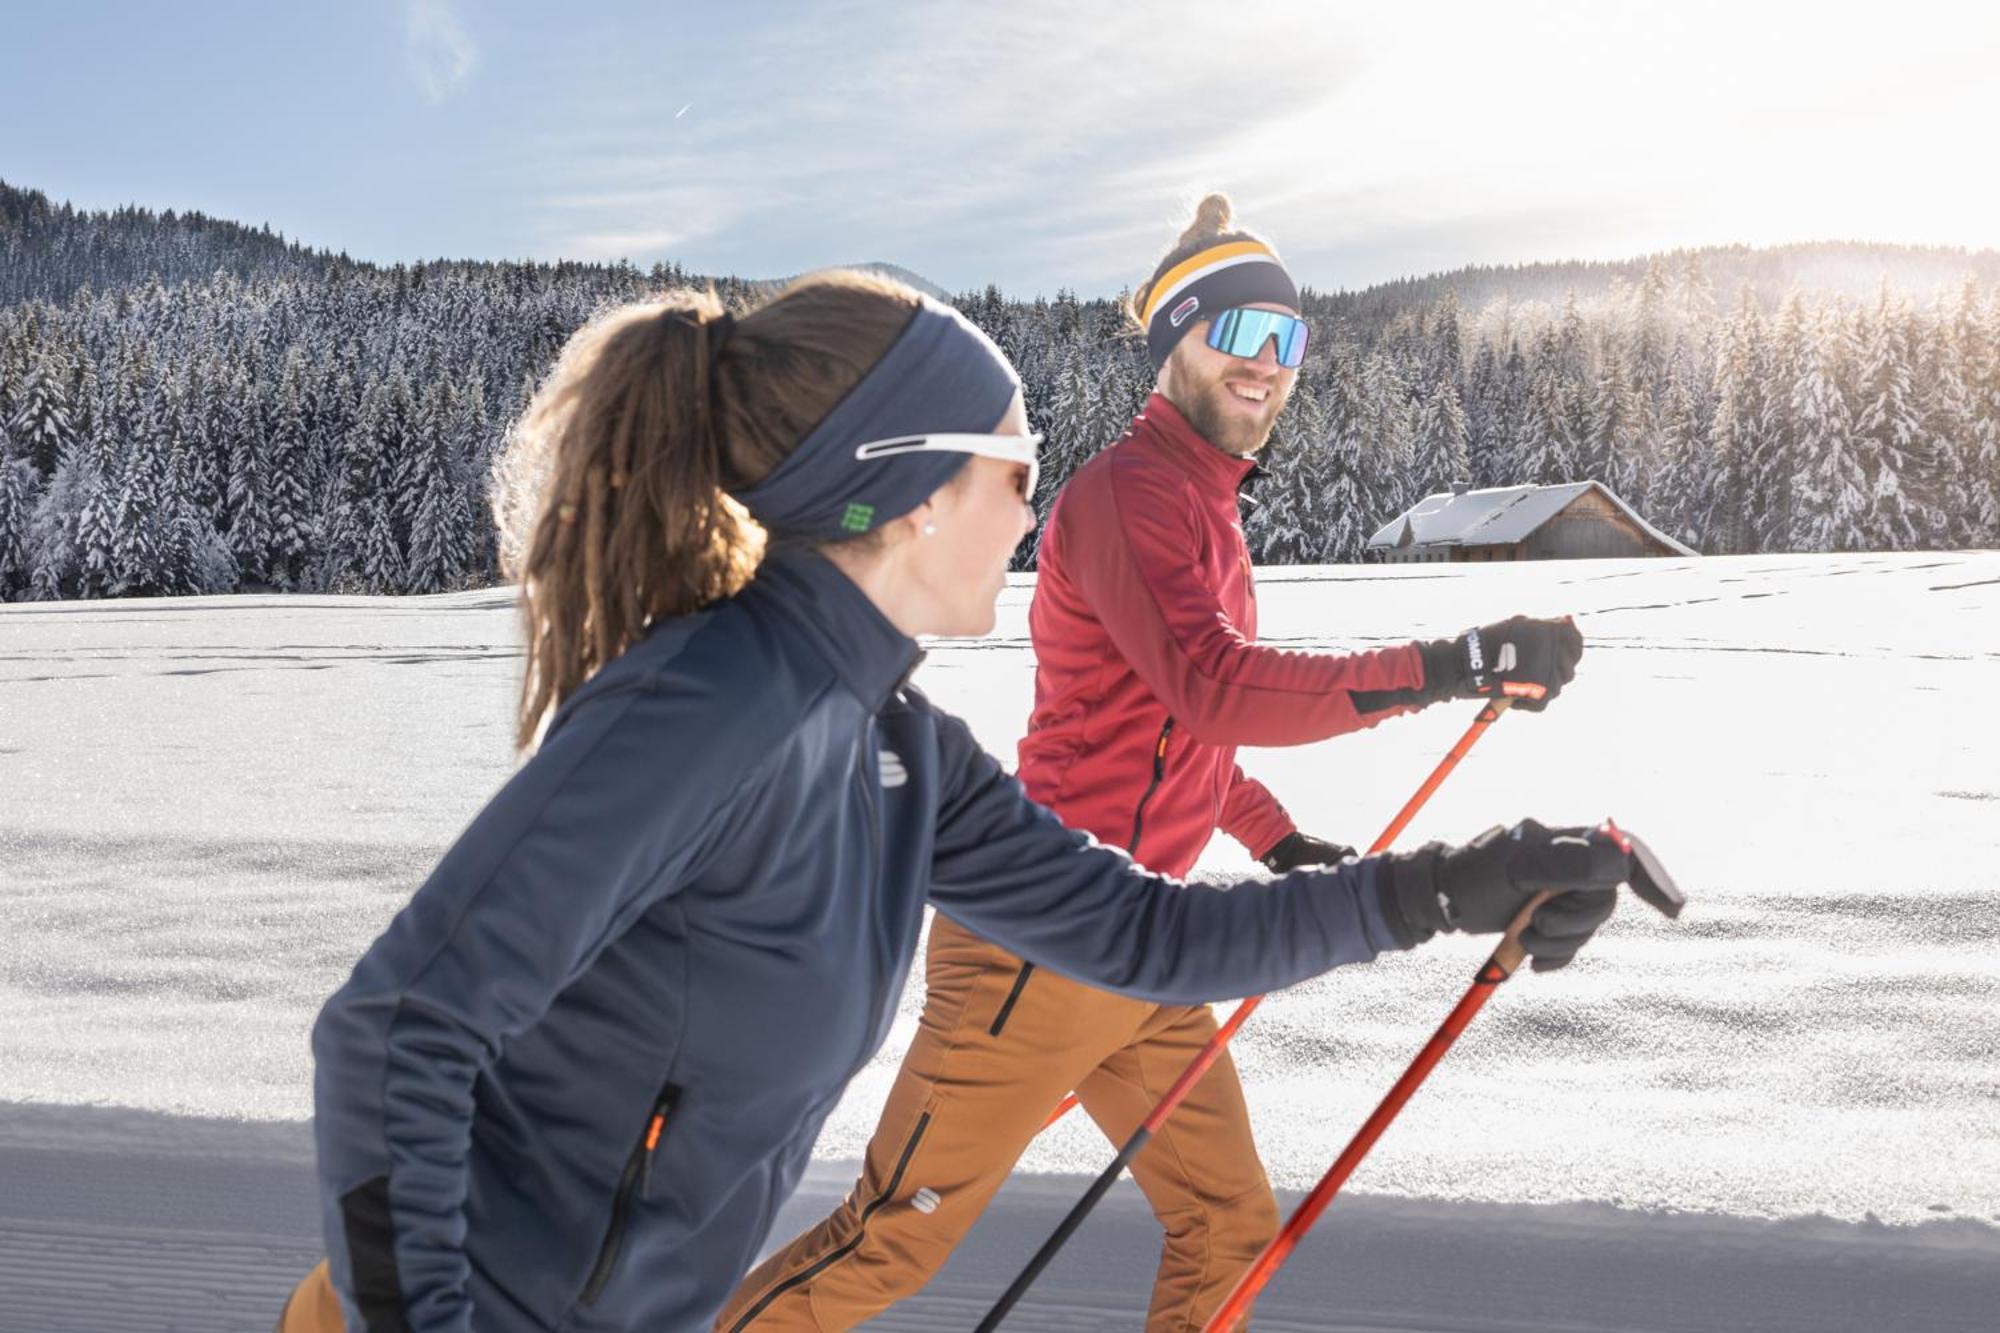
(113, 1221)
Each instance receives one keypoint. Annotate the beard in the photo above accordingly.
(1214, 411)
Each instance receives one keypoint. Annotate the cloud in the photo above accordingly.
(1050, 144)
(440, 55)
(962, 144)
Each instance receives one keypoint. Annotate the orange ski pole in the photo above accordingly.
(1649, 880)
(1489, 713)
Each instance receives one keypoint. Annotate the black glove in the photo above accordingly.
(1511, 658)
(1297, 849)
(1478, 888)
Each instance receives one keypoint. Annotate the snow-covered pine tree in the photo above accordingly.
(1388, 443)
(1745, 440)
(1446, 363)
(1651, 329)
(1543, 450)
(293, 513)
(1887, 428)
(397, 453)
(142, 560)
(41, 425)
(440, 533)
(1831, 508)
(1617, 420)
(1673, 494)
(1980, 366)
(364, 553)
(1286, 520)
(474, 443)
(1441, 453)
(20, 485)
(252, 532)
(1485, 429)
(52, 547)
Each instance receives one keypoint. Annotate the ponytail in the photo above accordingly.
(613, 494)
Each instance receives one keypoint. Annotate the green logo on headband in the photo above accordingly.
(857, 518)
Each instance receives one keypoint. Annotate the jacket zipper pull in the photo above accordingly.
(654, 1128)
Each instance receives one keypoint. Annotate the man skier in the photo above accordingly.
(1148, 676)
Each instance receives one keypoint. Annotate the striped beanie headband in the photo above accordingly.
(1233, 273)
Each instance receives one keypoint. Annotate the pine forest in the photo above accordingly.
(192, 406)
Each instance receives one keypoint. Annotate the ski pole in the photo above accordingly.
(1652, 884)
(1489, 713)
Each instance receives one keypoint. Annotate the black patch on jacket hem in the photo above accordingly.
(371, 1257)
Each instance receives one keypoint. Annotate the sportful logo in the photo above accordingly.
(858, 517)
(1183, 310)
(1507, 659)
(893, 772)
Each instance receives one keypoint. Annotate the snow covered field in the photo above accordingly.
(1782, 1111)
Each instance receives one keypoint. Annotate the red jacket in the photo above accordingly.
(1148, 673)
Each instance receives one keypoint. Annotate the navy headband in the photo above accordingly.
(941, 375)
(1205, 284)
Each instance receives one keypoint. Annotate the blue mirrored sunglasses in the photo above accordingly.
(1243, 332)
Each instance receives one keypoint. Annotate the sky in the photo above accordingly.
(1032, 144)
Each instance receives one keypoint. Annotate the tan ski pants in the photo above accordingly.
(313, 1307)
(999, 1044)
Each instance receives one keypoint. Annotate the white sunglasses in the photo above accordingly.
(1006, 448)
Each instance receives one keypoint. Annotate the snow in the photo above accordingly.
(208, 807)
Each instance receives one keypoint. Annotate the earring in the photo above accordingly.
(930, 529)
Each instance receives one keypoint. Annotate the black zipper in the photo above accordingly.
(1159, 772)
(638, 1173)
(812, 1271)
(1007, 1007)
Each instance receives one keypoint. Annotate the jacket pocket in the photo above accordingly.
(1159, 773)
(632, 1181)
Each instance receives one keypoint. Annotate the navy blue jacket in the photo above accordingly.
(570, 1085)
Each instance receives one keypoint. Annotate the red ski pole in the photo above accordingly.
(1648, 879)
(1488, 715)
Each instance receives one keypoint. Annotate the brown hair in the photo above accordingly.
(612, 495)
(1210, 227)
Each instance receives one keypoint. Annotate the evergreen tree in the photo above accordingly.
(1441, 452)
(1746, 439)
(1285, 523)
(1674, 489)
(1887, 429)
(19, 484)
(1388, 439)
(1545, 450)
(1341, 489)
(144, 559)
(252, 532)
(292, 511)
(1831, 506)
(41, 425)
(1617, 419)
(440, 529)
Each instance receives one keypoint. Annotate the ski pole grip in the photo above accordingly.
(1508, 955)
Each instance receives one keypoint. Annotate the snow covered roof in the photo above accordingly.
(1499, 516)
